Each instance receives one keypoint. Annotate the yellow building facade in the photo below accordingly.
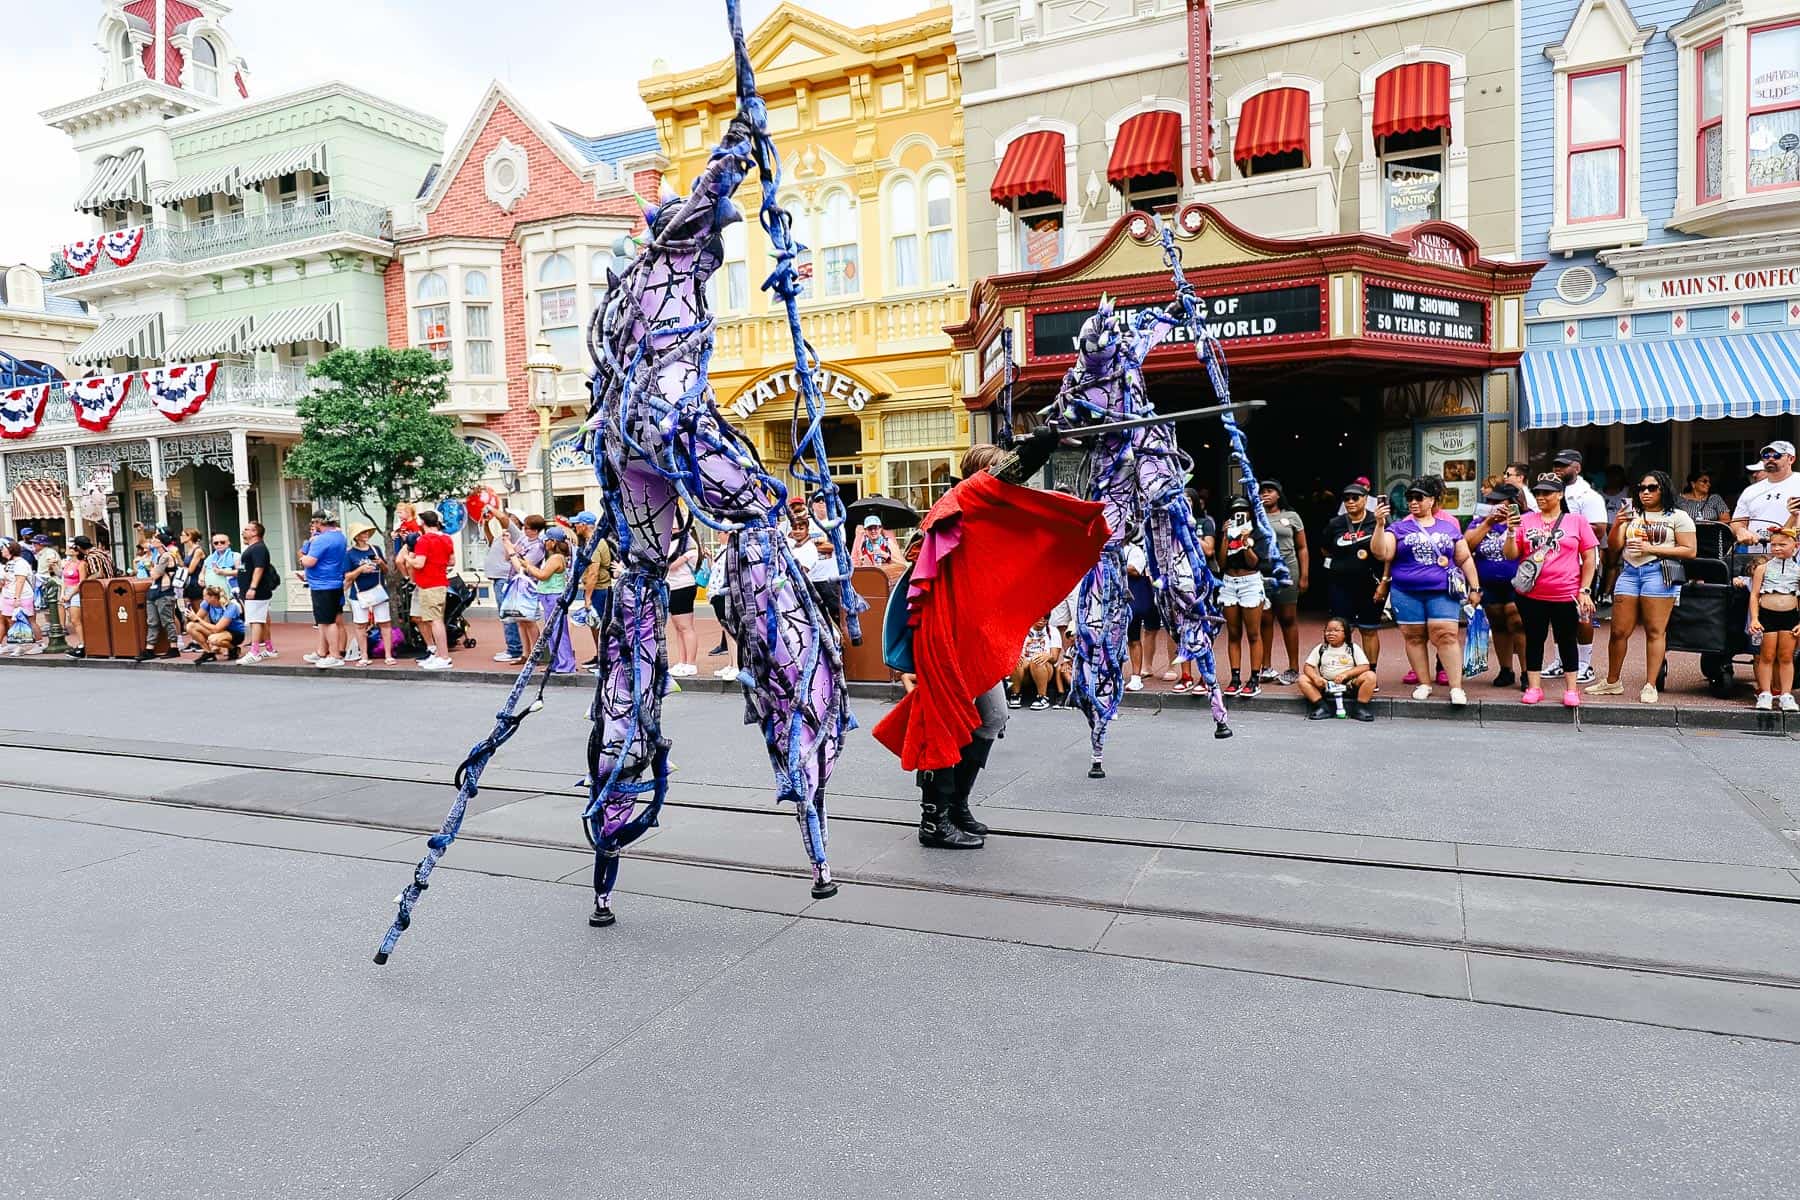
(869, 124)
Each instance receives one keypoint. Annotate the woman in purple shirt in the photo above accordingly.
(1425, 552)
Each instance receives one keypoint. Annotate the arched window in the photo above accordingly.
(557, 322)
(598, 262)
(838, 245)
(803, 261)
(475, 284)
(431, 315)
(125, 56)
(940, 231)
(206, 68)
(903, 232)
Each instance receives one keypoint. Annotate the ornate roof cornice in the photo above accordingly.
(331, 89)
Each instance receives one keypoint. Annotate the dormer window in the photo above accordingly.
(1597, 128)
(1596, 161)
(206, 68)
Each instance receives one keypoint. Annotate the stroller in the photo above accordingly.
(408, 642)
(1710, 616)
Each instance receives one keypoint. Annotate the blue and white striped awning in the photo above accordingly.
(1686, 379)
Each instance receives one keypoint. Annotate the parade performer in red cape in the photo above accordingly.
(994, 558)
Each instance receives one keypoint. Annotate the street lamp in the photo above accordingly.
(542, 367)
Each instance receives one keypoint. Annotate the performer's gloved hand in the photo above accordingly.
(1177, 310)
(1034, 451)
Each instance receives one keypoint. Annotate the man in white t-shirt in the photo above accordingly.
(1772, 504)
(1580, 498)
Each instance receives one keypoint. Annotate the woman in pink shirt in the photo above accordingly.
(1557, 553)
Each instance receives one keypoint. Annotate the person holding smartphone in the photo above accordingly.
(1487, 540)
(1358, 584)
(1652, 530)
(1427, 557)
(1768, 505)
(1558, 556)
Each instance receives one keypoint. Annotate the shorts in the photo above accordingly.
(193, 591)
(681, 600)
(25, 604)
(1242, 591)
(825, 591)
(327, 605)
(1780, 621)
(72, 600)
(427, 603)
(1281, 595)
(256, 612)
(362, 614)
(1353, 600)
(1416, 608)
(1496, 593)
(1646, 579)
(1144, 613)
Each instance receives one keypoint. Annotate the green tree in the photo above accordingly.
(369, 433)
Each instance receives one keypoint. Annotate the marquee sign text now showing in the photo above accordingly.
(1396, 312)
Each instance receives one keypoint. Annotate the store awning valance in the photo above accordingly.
(121, 337)
(205, 183)
(38, 500)
(1412, 99)
(1278, 121)
(316, 323)
(209, 339)
(1033, 166)
(283, 162)
(116, 181)
(1687, 379)
(1148, 144)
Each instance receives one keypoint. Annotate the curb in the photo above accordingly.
(1476, 712)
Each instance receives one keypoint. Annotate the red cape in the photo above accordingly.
(1007, 556)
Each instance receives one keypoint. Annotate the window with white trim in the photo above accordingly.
(903, 233)
(920, 482)
(431, 315)
(838, 250)
(1709, 148)
(940, 228)
(556, 309)
(1412, 178)
(736, 269)
(477, 330)
(803, 261)
(206, 68)
(1595, 165)
(1772, 129)
(1039, 222)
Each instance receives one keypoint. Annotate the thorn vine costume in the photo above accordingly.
(667, 461)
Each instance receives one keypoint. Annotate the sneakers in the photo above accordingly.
(1422, 692)
(1647, 696)
(1268, 675)
(1788, 704)
(1533, 695)
(1251, 690)
(1458, 697)
(1551, 671)
(1571, 698)
(1610, 688)
(1135, 684)
(1234, 688)
(1040, 704)
(1505, 678)
(251, 657)
(311, 658)
(1014, 701)
(325, 663)
(1765, 702)
(504, 657)
(1287, 678)
(1586, 675)
(434, 663)
(683, 670)
(728, 674)
(269, 650)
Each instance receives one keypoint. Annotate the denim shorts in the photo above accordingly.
(1416, 608)
(1643, 580)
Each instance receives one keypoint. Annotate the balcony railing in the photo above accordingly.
(246, 232)
(277, 389)
(844, 329)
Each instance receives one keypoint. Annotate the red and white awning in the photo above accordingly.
(1277, 121)
(1033, 166)
(38, 500)
(1148, 144)
(1414, 98)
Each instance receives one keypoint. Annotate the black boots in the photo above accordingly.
(937, 802)
(974, 758)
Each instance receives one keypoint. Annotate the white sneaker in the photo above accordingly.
(1458, 697)
(328, 662)
(34, 648)
(503, 656)
(271, 652)
(1422, 692)
(1765, 702)
(1586, 675)
(310, 657)
(1135, 684)
(1788, 704)
(726, 673)
(249, 656)
(436, 664)
(1552, 671)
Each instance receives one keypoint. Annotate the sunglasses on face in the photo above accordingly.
(1649, 487)
(1770, 455)
(1411, 496)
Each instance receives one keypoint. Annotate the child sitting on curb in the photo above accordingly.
(1337, 666)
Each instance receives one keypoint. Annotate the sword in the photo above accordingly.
(1191, 414)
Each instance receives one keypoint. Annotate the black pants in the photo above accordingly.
(1540, 617)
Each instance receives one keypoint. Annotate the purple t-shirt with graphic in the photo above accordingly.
(1424, 556)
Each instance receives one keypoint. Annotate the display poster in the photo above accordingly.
(1453, 451)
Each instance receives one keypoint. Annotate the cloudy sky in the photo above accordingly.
(575, 62)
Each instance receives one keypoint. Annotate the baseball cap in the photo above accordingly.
(1779, 447)
(324, 518)
(1758, 465)
(556, 533)
(1357, 488)
(40, 539)
(586, 518)
(1547, 483)
(871, 522)
(1566, 457)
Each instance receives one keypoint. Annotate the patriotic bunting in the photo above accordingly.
(178, 392)
(82, 256)
(22, 410)
(122, 245)
(98, 400)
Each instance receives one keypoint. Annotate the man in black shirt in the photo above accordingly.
(257, 580)
(1358, 591)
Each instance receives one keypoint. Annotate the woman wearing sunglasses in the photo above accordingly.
(1429, 562)
(1651, 531)
(1557, 554)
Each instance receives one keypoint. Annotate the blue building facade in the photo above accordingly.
(1660, 181)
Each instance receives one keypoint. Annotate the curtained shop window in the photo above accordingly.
(1773, 130)
(1596, 163)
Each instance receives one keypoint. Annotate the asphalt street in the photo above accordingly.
(1305, 962)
